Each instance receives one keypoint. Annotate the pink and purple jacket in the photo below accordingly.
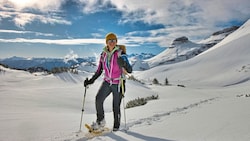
(108, 63)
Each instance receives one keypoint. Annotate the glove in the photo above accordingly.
(88, 82)
(121, 62)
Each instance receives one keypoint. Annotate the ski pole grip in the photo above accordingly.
(85, 83)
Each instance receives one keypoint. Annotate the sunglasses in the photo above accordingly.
(112, 41)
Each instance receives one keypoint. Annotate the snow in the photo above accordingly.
(213, 105)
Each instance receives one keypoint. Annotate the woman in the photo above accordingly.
(114, 63)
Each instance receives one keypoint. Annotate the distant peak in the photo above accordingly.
(183, 38)
(180, 40)
(226, 30)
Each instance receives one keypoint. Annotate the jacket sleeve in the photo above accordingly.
(98, 71)
(127, 65)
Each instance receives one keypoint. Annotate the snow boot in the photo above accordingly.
(98, 124)
(115, 129)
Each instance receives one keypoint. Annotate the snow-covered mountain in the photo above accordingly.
(142, 56)
(42, 64)
(182, 49)
(137, 61)
(216, 37)
(47, 64)
(227, 63)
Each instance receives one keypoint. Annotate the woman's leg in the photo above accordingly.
(116, 106)
(102, 94)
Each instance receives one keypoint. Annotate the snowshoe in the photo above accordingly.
(96, 132)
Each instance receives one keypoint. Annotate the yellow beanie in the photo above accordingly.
(110, 36)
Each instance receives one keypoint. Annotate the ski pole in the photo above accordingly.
(83, 101)
(125, 120)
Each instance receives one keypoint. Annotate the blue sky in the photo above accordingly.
(57, 28)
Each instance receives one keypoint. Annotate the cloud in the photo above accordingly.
(192, 18)
(57, 42)
(71, 56)
(93, 6)
(195, 19)
(96, 35)
(26, 32)
(183, 12)
(224, 11)
(129, 41)
(177, 13)
(164, 36)
(26, 11)
(43, 6)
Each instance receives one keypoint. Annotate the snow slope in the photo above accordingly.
(45, 108)
(39, 107)
(214, 105)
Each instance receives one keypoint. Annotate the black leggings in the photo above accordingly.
(102, 94)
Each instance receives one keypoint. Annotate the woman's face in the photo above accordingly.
(111, 44)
